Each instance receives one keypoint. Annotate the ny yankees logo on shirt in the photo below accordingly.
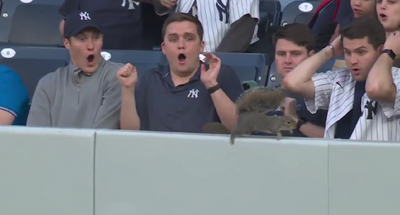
(131, 4)
(223, 11)
(372, 107)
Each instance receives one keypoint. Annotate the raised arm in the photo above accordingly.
(299, 79)
(128, 79)
(383, 82)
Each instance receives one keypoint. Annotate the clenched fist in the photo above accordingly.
(127, 76)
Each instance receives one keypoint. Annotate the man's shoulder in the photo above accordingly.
(110, 65)
(6, 72)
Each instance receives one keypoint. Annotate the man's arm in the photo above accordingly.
(311, 130)
(163, 9)
(39, 114)
(244, 16)
(134, 106)
(109, 111)
(224, 98)
(382, 87)
(299, 79)
(239, 35)
(315, 127)
(13, 96)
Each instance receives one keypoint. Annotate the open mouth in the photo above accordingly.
(181, 58)
(90, 58)
(382, 16)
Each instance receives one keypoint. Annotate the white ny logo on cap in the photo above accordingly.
(84, 16)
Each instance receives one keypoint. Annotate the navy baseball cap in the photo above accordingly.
(77, 21)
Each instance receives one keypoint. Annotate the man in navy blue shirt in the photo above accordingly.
(184, 95)
(121, 21)
(14, 98)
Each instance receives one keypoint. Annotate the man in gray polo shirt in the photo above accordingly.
(84, 94)
(186, 94)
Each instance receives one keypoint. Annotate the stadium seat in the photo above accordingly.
(299, 8)
(142, 60)
(273, 9)
(34, 23)
(273, 79)
(263, 24)
(32, 63)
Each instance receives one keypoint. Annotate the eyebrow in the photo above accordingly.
(185, 34)
(361, 47)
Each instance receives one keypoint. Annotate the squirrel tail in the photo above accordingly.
(260, 99)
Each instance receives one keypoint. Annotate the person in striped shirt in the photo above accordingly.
(229, 25)
(363, 100)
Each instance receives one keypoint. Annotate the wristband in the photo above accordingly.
(300, 122)
(390, 52)
(212, 90)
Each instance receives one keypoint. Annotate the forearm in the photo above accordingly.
(379, 86)
(239, 35)
(299, 79)
(129, 118)
(159, 8)
(311, 130)
(226, 109)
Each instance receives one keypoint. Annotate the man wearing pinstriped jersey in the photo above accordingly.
(363, 100)
(229, 25)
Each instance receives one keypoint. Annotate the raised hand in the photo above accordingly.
(127, 76)
(209, 77)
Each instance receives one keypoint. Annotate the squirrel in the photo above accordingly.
(253, 106)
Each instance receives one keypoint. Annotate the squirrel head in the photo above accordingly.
(287, 123)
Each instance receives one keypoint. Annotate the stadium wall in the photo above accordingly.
(99, 172)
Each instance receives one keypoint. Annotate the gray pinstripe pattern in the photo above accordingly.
(214, 30)
(334, 90)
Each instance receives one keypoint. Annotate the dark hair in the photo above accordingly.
(365, 27)
(182, 17)
(297, 33)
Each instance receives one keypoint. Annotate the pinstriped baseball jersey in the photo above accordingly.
(334, 90)
(217, 15)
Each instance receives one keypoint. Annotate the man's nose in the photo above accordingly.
(288, 59)
(90, 45)
(181, 43)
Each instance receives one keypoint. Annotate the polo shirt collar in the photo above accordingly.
(166, 75)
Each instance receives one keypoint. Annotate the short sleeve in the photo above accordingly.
(239, 8)
(141, 100)
(323, 84)
(394, 109)
(69, 6)
(230, 83)
(14, 95)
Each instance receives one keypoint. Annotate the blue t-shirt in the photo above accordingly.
(13, 95)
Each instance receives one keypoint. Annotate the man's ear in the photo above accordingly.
(67, 43)
(202, 44)
(162, 47)
(380, 48)
(311, 53)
